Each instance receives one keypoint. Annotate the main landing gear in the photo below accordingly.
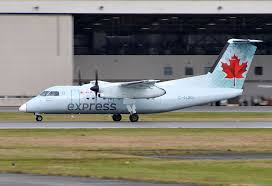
(116, 117)
(132, 117)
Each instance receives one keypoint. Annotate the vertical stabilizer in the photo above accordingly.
(233, 63)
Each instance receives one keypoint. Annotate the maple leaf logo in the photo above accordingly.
(234, 69)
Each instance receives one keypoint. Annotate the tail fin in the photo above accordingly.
(232, 65)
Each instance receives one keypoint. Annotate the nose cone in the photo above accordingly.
(22, 108)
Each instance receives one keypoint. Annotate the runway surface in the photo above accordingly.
(36, 180)
(221, 156)
(189, 124)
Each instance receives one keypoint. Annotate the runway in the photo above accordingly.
(36, 180)
(219, 156)
(102, 125)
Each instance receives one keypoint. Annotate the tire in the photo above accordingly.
(134, 117)
(116, 117)
(39, 118)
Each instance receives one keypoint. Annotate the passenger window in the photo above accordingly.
(44, 93)
(53, 93)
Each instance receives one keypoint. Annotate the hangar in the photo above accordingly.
(61, 42)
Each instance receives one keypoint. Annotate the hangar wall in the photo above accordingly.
(134, 67)
(35, 53)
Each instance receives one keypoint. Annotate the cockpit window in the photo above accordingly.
(53, 93)
(50, 93)
(44, 93)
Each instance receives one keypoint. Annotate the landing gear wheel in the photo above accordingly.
(39, 118)
(116, 117)
(134, 117)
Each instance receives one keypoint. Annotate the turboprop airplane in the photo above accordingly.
(224, 81)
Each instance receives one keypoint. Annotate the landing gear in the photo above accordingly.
(39, 118)
(116, 117)
(134, 117)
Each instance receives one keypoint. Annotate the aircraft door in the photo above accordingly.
(75, 96)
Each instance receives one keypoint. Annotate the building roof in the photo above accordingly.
(137, 6)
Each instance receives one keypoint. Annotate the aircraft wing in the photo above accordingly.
(139, 84)
(133, 90)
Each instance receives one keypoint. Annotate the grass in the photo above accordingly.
(169, 116)
(256, 172)
(126, 154)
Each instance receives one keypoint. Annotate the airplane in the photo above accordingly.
(225, 80)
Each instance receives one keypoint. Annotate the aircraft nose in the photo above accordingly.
(22, 108)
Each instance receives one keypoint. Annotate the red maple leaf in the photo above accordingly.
(234, 69)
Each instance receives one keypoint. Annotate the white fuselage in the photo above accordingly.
(179, 94)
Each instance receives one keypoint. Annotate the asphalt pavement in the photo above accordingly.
(100, 125)
(37, 180)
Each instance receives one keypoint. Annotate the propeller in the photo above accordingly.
(95, 88)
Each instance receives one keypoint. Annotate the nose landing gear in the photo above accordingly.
(39, 118)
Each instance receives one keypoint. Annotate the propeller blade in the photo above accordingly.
(96, 78)
(79, 78)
